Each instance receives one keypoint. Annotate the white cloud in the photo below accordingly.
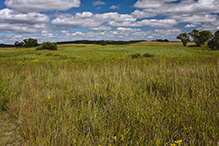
(98, 3)
(162, 7)
(115, 6)
(21, 28)
(41, 5)
(193, 7)
(79, 21)
(84, 15)
(10, 16)
(163, 23)
(101, 28)
(142, 4)
(190, 25)
(142, 14)
(194, 18)
(123, 29)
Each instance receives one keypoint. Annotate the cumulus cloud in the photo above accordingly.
(101, 28)
(21, 28)
(194, 18)
(95, 3)
(78, 20)
(142, 14)
(113, 19)
(190, 25)
(115, 6)
(193, 7)
(142, 4)
(26, 6)
(163, 23)
(158, 7)
(10, 16)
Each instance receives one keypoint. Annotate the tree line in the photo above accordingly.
(200, 37)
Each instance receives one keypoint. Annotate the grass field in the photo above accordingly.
(99, 95)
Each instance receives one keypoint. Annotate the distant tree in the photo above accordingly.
(200, 37)
(19, 44)
(27, 43)
(214, 42)
(184, 37)
(160, 40)
(103, 43)
(30, 42)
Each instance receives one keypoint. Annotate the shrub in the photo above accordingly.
(48, 46)
(145, 55)
(136, 55)
(49, 54)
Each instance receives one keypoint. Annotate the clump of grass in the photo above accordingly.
(38, 53)
(49, 54)
(146, 55)
(135, 55)
(138, 55)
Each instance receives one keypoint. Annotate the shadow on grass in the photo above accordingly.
(192, 46)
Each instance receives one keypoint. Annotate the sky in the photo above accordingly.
(69, 20)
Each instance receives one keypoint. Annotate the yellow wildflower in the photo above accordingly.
(179, 141)
(49, 97)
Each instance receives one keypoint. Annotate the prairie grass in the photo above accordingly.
(97, 95)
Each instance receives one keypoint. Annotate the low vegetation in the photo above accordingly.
(97, 95)
(47, 46)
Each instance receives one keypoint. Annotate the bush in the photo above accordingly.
(136, 55)
(48, 46)
(145, 55)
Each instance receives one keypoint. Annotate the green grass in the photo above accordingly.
(98, 95)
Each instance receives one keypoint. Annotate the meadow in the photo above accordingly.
(97, 95)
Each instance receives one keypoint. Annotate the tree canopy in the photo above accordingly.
(184, 37)
(27, 43)
(200, 37)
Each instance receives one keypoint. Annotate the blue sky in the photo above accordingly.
(68, 20)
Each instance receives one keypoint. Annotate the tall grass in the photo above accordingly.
(146, 101)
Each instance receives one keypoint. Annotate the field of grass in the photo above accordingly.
(99, 95)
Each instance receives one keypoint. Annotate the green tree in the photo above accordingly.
(30, 42)
(214, 42)
(17, 44)
(200, 37)
(184, 37)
